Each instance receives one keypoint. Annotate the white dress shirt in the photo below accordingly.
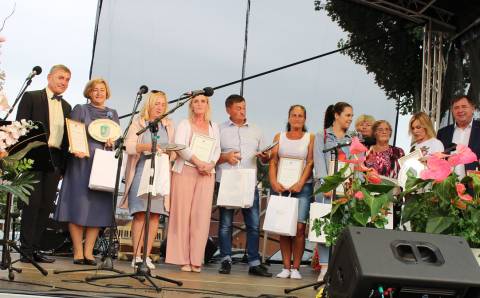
(461, 136)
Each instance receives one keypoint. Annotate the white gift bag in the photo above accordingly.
(237, 188)
(317, 210)
(282, 215)
(161, 182)
(104, 170)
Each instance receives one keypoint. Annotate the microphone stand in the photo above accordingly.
(107, 257)
(142, 270)
(326, 279)
(25, 85)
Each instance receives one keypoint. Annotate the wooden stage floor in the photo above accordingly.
(208, 283)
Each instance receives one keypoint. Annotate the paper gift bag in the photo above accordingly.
(104, 170)
(281, 217)
(237, 188)
(161, 182)
(317, 210)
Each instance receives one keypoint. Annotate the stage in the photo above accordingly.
(208, 283)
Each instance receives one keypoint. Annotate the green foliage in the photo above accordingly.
(395, 55)
(347, 210)
(436, 207)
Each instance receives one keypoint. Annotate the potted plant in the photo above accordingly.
(366, 200)
(440, 202)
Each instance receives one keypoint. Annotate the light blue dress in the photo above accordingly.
(136, 204)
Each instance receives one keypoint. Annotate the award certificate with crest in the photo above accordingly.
(202, 147)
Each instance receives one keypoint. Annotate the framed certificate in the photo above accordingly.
(416, 155)
(202, 147)
(77, 137)
(289, 171)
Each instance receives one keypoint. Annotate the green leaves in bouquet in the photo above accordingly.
(333, 181)
(15, 178)
(439, 224)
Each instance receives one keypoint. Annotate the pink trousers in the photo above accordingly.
(189, 221)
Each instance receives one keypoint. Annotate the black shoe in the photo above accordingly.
(89, 262)
(225, 267)
(78, 261)
(41, 258)
(259, 270)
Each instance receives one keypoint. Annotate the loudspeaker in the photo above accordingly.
(412, 264)
(210, 249)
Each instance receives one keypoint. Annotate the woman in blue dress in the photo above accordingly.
(86, 210)
(138, 149)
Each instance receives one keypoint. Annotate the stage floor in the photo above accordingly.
(208, 283)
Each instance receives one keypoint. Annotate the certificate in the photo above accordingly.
(289, 171)
(415, 155)
(202, 147)
(77, 137)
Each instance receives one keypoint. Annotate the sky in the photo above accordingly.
(184, 45)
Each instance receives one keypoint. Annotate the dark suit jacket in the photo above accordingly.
(445, 135)
(34, 106)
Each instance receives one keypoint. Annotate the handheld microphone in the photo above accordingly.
(207, 91)
(35, 71)
(143, 89)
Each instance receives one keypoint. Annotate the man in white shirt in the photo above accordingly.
(465, 131)
(240, 142)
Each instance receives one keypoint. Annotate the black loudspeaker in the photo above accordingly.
(210, 249)
(411, 264)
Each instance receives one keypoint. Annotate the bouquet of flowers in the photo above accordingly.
(15, 177)
(366, 200)
(440, 202)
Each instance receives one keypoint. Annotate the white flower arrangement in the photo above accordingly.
(9, 134)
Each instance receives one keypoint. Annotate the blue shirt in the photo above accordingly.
(246, 139)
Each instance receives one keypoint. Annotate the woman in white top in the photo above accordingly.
(192, 189)
(423, 135)
(295, 143)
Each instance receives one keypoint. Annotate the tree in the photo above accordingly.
(388, 46)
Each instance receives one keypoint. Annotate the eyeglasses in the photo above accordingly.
(156, 91)
(384, 130)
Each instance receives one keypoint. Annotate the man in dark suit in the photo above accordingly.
(465, 131)
(48, 107)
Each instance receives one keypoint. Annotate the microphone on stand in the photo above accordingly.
(207, 91)
(450, 148)
(339, 145)
(35, 71)
(143, 89)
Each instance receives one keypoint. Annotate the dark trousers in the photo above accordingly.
(35, 214)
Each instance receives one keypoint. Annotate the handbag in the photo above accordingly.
(104, 168)
(237, 188)
(281, 216)
(161, 182)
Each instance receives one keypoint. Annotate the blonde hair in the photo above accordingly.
(91, 84)
(208, 113)
(425, 122)
(364, 118)
(150, 102)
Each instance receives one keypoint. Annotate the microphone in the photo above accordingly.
(207, 91)
(35, 71)
(450, 148)
(143, 89)
(339, 145)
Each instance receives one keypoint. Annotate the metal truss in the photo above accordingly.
(416, 11)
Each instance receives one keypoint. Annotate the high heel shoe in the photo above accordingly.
(186, 268)
(197, 269)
